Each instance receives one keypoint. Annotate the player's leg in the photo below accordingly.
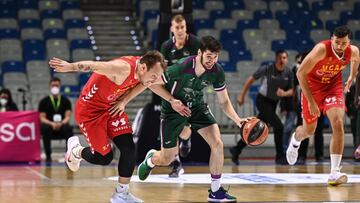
(302, 132)
(211, 135)
(184, 150)
(126, 167)
(336, 118)
(99, 151)
(170, 128)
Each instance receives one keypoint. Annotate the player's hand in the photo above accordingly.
(244, 120)
(60, 65)
(348, 85)
(179, 107)
(280, 92)
(240, 99)
(314, 109)
(118, 108)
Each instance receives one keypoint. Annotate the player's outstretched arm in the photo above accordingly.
(107, 68)
(227, 107)
(355, 60)
(176, 104)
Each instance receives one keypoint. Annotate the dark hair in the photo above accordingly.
(342, 31)
(281, 51)
(153, 57)
(210, 43)
(55, 79)
(7, 91)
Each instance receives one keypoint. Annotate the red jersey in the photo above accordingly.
(99, 92)
(326, 74)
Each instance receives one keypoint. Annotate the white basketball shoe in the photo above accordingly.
(337, 178)
(73, 160)
(292, 152)
(124, 197)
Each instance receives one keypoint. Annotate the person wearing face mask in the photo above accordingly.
(6, 102)
(276, 83)
(180, 45)
(55, 112)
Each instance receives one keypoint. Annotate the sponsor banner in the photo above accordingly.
(244, 178)
(19, 136)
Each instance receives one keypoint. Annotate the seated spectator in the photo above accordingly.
(55, 112)
(6, 102)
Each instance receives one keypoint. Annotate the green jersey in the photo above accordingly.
(181, 81)
(172, 54)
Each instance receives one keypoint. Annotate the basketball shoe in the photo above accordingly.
(144, 169)
(124, 197)
(336, 178)
(176, 169)
(292, 152)
(72, 157)
(221, 195)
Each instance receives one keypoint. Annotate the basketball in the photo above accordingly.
(254, 132)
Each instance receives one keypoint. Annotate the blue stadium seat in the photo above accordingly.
(348, 15)
(203, 23)
(247, 24)
(357, 35)
(70, 4)
(31, 44)
(70, 90)
(234, 44)
(8, 5)
(281, 44)
(240, 55)
(54, 33)
(74, 23)
(283, 16)
(304, 45)
(314, 23)
(303, 15)
(320, 6)
(33, 49)
(216, 14)
(80, 44)
(298, 5)
(50, 14)
(289, 24)
(198, 4)
(230, 34)
(357, 7)
(228, 66)
(30, 23)
(297, 35)
(83, 78)
(8, 13)
(9, 33)
(13, 66)
(232, 5)
(27, 4)
(262, 14)
(332, 24)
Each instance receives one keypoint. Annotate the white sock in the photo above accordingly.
(215, 184)
(122, 187)
(150, 163)
(294, 142)
(335, 162)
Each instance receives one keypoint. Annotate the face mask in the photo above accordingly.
(55, 90)
(3, 101)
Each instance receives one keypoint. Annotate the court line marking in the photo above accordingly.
(38, 173)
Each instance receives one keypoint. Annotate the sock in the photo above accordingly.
(215, 182)
(177, 158)
(294, 142)
(335, 162)
(122, 187)
(150, 163)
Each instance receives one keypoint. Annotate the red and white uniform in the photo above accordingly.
(325, 82)
(92, 107)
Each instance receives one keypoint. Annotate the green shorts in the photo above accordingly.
(172, 124)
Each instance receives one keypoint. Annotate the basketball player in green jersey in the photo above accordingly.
(180, 45)
(185, 81)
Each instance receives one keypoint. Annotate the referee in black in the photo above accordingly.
(276, 82)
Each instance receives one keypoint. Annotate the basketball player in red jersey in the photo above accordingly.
(109, 82)
(322, 90)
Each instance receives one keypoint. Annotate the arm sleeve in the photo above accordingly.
(219, 83)
(260, 72)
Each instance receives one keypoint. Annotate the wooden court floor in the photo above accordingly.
(41, 184)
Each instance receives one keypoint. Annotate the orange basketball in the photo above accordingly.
(254, 132)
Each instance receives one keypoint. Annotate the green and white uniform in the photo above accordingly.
(172, 54)
(182, 82)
